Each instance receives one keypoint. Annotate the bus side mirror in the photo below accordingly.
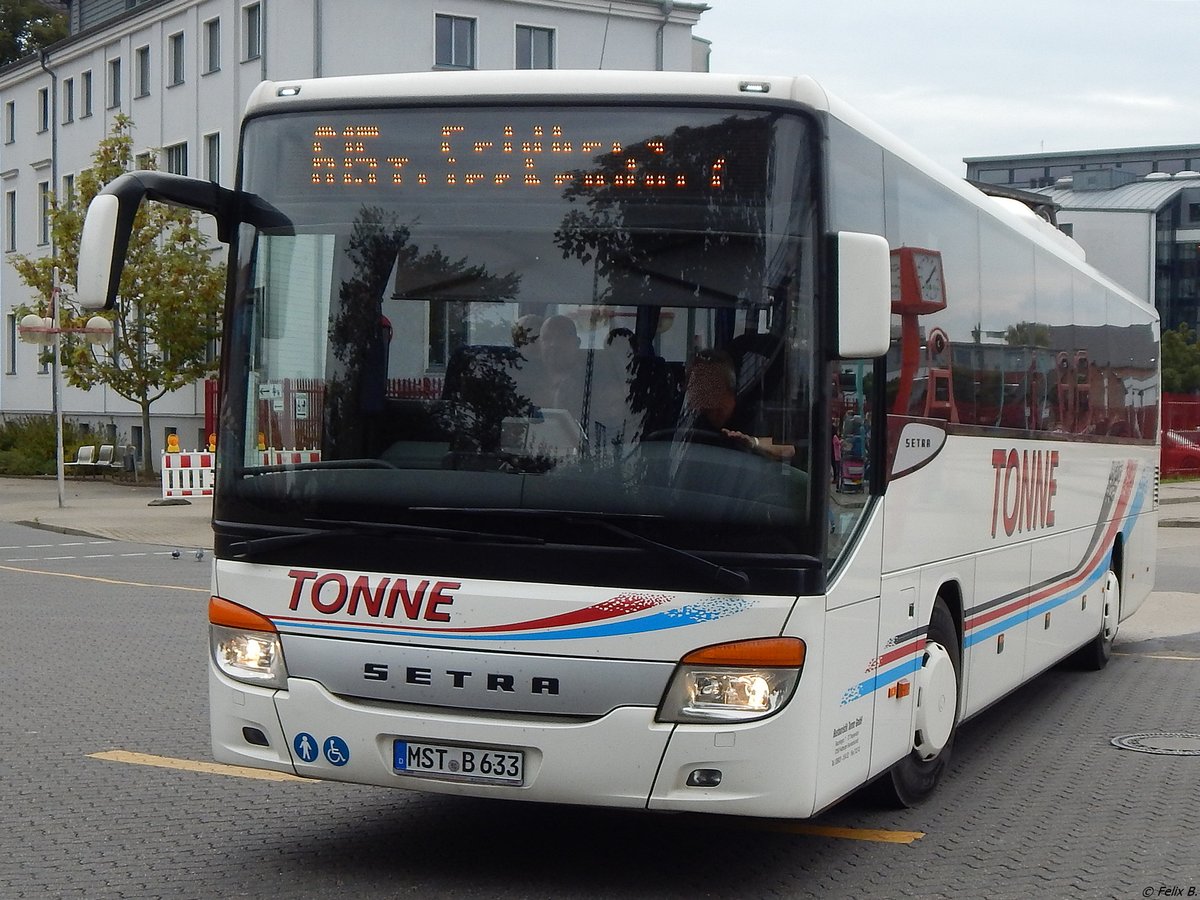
(864, 295)
(101, 254)
(109, 224)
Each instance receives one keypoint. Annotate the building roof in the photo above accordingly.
(1139, 196)
(1177, 149)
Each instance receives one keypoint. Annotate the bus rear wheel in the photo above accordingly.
(937, 682)
(1095, 654)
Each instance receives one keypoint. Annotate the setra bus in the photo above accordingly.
(668, 441)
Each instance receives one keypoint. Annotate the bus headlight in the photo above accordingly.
(737, 682)
(245, 645)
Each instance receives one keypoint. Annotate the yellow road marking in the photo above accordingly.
(1157, 656)
(191, 765)
(169, 587)
(876, 835)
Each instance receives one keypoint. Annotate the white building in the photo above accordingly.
(182, 69)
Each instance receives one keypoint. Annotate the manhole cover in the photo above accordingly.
(1164, 743)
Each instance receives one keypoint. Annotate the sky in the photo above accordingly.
(967, 78)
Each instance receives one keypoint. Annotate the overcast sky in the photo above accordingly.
(966, 78)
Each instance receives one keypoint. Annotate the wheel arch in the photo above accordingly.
(951, 593)
(1116, 559)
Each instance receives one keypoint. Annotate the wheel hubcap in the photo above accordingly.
(1112, 606)
(937, 702)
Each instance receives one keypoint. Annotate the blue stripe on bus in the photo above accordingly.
(1031, 612)
(883, 679)
(661, 621)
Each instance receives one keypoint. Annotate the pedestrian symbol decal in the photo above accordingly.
(306, 746)
(337, 751)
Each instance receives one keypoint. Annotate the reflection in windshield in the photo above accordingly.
(628, 334)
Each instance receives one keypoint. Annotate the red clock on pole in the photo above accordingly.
(918, 289)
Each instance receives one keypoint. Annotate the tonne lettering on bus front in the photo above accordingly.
(1025, 486)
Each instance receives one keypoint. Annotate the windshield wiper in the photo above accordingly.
(349, 528)
(730, 579)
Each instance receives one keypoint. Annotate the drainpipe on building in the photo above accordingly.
(318, 24)
(661, 38)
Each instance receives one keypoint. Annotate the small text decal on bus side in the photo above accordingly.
(332, 592)
(1023, 496)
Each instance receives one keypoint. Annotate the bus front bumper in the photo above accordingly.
(622, 759)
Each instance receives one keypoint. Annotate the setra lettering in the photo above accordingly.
(1024, 489)
(380, 597)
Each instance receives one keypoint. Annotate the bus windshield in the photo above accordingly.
(512, 319)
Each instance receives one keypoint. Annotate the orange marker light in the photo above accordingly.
(774, 653)
(231, 615)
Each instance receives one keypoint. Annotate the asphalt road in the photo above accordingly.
(107, 788)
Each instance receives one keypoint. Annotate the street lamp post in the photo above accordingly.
(43, 331)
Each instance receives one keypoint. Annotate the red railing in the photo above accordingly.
(1180, 434)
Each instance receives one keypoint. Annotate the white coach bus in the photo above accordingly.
(668, 441)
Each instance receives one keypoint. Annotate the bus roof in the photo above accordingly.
(474, 85)
(440, 86)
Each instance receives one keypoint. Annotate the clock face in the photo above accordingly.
(929, 277)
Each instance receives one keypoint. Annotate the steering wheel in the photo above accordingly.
(689, 435)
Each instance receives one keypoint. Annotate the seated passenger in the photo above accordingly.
(555, 377)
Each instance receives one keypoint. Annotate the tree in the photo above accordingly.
(1027, 334)
(1180, 361)
(169, 301)
(27, 26)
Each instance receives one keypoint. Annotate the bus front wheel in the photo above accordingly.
(937, 682)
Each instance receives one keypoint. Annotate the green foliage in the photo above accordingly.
(1180, 361)
(27, 26)
(1027, 334)
(27, 444)
(170, 296)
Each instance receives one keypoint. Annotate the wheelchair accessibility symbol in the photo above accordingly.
(336, 751)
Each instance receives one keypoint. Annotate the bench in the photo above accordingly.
(85, 460)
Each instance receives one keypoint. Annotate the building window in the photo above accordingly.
(1194, 212)
(143, 161)
(68, 95)
(454, 42)
(85, 94)
(212, 157)
(10, 220)
(212, 46)
(141, 65)
(10, 122)
(43, 121)
(67, 198)
(43, 213)
(114, 83)
(535, 47)
(177, 158)
(252, 31)
(175, 57)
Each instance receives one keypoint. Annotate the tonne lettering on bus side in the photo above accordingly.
(1025, 486)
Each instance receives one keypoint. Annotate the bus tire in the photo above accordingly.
(1095, 654)
(914, 778)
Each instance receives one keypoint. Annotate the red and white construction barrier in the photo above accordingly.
(187, 474)
(273, 457)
